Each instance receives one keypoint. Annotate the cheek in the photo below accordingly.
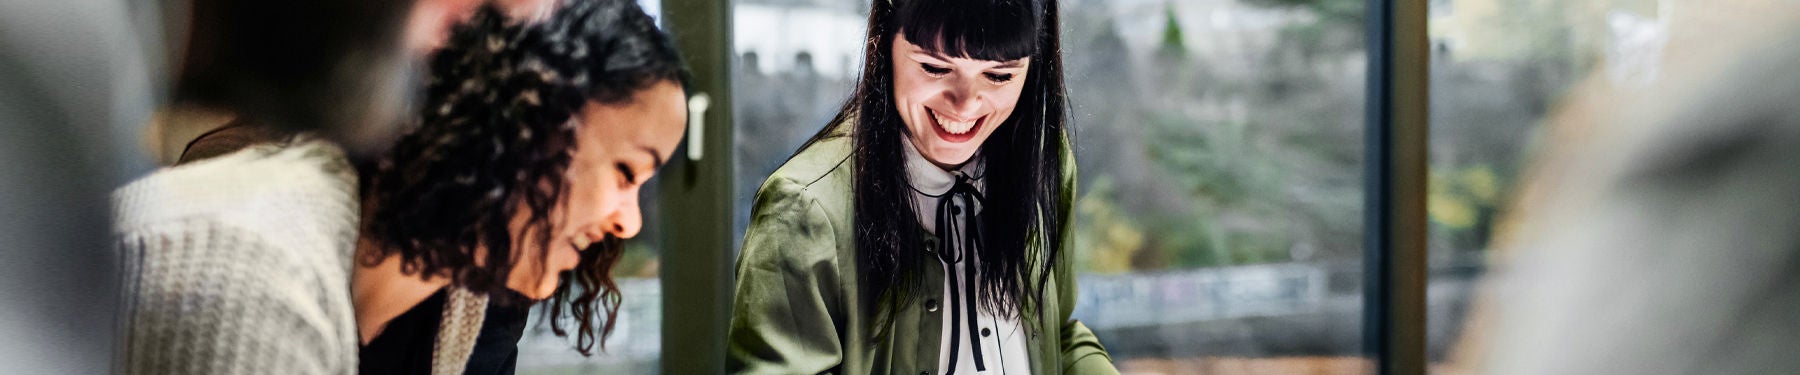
(1005, 99)
(589, 199)
(911, 91)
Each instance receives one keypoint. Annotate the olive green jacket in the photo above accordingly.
(796, 309)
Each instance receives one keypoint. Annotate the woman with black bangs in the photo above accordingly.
(515, 186)
(923, 230)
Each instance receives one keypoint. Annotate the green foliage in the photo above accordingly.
(1172, 45)
(1339, 27)
(638, 260)
(1191, 161)
(1334, 13)
(1463, 202)
(1109, 237)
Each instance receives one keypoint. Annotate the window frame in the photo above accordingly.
(1395, 170)
(696, 197)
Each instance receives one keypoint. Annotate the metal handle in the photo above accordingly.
(696, 125)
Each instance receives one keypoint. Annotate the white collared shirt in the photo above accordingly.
(1003, 348)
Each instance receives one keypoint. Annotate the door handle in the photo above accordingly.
(696, 125)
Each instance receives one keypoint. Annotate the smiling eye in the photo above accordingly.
(630, 178)
(934, 69)
(999, 77)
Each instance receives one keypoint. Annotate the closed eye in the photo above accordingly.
(999, 77)
(934, 69)
(630, 177)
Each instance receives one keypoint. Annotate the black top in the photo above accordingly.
(405, 346)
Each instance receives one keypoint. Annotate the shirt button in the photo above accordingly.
(955, 210)
(931, 305)
(985, 332)
(930, 244)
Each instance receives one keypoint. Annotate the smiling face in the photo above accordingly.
(618, 148)
(950, 104)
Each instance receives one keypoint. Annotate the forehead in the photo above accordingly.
(654, 117)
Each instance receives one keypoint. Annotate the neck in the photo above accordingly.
(174, 126)
(382, 292)
(948, 167)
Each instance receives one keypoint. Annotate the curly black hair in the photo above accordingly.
(494, 136)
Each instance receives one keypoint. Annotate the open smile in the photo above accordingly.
(955, 130)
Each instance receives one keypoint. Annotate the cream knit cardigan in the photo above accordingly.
(240, 264)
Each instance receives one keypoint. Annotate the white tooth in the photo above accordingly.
(582, 242)
(954, 127)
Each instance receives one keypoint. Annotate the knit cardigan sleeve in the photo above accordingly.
(207, 300)
(240, 265)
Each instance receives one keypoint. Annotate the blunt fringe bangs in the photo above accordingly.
(1002, 30)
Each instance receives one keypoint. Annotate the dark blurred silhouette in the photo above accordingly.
(335, 67)
(1662, 236)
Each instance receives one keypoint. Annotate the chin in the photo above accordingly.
(950, 155)
(541, 292)
(544, 292)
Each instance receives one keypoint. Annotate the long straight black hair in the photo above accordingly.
(1024, 175)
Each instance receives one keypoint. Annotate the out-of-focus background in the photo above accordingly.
(1221, 152)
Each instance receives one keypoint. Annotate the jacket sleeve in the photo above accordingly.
(1081, 351)
(785, 316)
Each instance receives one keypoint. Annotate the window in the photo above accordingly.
(1220, 149)
(1220, 216)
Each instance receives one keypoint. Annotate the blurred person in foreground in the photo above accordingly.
(516, 183)
(1660, 237)
(187, 130)
(74, 88)
(237, 259)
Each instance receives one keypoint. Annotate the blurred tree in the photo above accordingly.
(1172, 46)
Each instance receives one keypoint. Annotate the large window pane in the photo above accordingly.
(1220, 146)
(796, 64)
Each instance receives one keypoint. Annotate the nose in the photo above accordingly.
(962, 97)
(627, 220)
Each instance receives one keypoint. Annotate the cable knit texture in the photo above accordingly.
(241, 264)
(464, 313)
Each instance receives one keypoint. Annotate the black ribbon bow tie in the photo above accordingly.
(953, 253)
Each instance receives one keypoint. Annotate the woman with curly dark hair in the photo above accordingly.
(515, 185)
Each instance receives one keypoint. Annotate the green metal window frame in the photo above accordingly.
(695, 199)
(1394, 224)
